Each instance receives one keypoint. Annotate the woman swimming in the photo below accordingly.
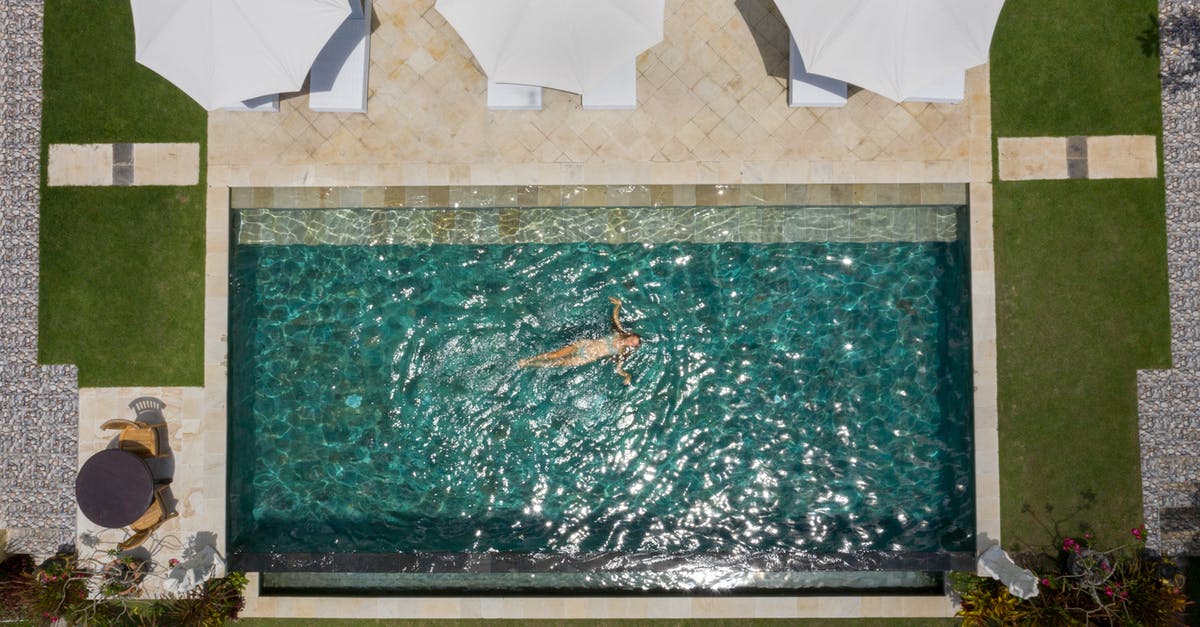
(618, 345)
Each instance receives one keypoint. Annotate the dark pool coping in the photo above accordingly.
(608, 562)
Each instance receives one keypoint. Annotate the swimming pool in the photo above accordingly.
(797, 405)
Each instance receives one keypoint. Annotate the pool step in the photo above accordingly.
(618, 225)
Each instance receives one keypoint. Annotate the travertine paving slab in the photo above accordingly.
(1122, 157)
(80, 164)
(616, 607)
(124, 164)
(1100, 157)
(166, 164)
(1033, 158)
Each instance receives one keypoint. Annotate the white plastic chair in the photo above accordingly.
(618, 91)
(338, 78)
(951, 90)
(513, 97)
(811, 90)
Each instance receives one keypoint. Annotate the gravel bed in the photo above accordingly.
(39, 405)
(1169, 400)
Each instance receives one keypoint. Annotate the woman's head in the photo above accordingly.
(633, 340)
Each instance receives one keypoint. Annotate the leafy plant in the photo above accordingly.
(212, 604)
(1082, 585)
(121, 576)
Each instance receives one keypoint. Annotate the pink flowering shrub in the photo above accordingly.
(1082, 584)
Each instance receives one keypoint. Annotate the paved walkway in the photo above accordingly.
(1169, 400)
(38, 404)
(123, 164)
(1099, 157)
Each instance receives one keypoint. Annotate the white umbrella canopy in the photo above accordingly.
(891, 47)
(572, 45)
(221, 52)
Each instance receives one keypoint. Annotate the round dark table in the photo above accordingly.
(114, 488)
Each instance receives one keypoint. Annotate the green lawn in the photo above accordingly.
(1074, 67)
(122, 269)
(1082, 305)
(1081, 281)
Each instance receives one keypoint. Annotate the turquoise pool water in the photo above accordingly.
(807, 399)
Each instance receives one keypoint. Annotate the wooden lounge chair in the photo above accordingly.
(154, 517)
(139, 438)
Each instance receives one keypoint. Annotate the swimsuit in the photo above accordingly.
(581, 352)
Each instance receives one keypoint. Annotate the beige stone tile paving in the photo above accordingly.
(1122, 157)
(560, 608)
(1033, 158)
(193, 487)
(1105, 157)
(152, 164)
(80, 164)
(166, 164)
(708, 112)
(983, 318)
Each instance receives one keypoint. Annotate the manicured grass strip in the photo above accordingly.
(1081, 286)
(1074, 67)
(754, 622)
(94, 90)
(122, 284)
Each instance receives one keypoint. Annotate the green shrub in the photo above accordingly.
(211, 604)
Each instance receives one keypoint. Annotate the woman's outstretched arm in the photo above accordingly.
(621, 371)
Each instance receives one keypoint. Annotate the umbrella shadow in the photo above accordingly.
(340, 46)
(770, 34)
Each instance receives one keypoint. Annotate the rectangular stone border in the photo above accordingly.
(983, 315)
(481, 196)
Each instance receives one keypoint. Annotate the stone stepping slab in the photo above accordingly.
(611, 225)
(1096, 157)
(123, 164)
